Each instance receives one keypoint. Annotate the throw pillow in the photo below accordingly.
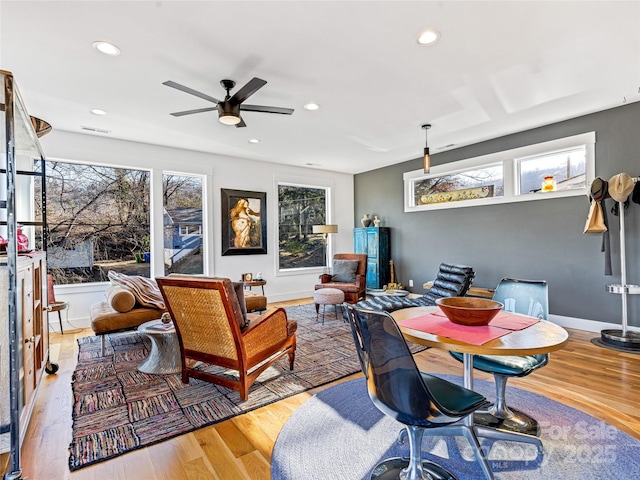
(242, 313)
(144, 289)
(344, 271)
(120, 299)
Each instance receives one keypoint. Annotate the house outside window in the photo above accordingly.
(299, 208)
(183, 240)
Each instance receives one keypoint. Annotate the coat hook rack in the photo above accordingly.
(623, 338)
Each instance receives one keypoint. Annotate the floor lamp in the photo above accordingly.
(325, 230)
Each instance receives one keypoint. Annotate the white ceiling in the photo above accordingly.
(498, 68)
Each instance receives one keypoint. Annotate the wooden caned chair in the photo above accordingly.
(211, 328)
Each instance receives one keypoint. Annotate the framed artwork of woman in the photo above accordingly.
(244, 222)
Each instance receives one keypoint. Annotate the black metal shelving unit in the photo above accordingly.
(19, 137)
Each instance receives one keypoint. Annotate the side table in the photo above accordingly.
(164, 354)
(255, 283)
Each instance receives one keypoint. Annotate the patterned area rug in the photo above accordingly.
(118, 409)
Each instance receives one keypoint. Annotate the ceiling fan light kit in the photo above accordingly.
(229, 108)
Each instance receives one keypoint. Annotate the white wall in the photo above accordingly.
(220, 172)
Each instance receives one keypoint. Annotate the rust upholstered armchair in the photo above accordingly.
(212, 329)
(354, 288)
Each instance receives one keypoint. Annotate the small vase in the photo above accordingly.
(23, 240)
(366, 220)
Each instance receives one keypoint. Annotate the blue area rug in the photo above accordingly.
(340, 434)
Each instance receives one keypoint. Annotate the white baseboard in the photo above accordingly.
(586, 325)
(565, 322)
(67, 324)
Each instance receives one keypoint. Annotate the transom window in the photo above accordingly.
(469, 184)
(563, 170)
(558, 168)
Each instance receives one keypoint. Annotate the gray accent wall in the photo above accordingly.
(533, 240)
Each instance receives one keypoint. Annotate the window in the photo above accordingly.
(563, 170)
(469, 184)
(554, 169)
(98, 220)
(182, 202)
(299, 208)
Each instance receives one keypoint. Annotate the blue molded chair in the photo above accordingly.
(529, 297)
(417, 400)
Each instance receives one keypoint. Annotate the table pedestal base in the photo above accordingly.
(516, 421)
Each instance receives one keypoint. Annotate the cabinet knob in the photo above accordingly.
(30, 340)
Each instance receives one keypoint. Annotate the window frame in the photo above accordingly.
(156, 216)
(202, 230)
(328, 219)
(510, 161)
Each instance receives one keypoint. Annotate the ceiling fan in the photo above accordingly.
(229, 108)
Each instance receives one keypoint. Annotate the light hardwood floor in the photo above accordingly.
(598, 381)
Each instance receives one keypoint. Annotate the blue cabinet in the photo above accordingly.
(375, 242)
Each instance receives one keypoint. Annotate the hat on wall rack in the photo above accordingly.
(635, 195)
(620, 187)
(427, 156)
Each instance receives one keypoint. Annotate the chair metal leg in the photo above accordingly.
(413, 468)
(508, 436)
(102, 343)
(469, 432)
(60, 320)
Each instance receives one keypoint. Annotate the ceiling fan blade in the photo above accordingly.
(198, 110)
(190, 91)
(266, 109)
(241, 124)
(249, 89)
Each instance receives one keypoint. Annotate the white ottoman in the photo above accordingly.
(327, 296)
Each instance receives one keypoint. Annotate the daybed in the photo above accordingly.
(451, 281)
(129, 302)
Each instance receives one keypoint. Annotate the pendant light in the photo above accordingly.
(427, 157)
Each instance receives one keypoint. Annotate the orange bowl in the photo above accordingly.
(469, 311)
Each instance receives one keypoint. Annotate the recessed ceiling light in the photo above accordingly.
(312, 106)
(254, 140)
(106, 48)
(428, 37)
(97, 111)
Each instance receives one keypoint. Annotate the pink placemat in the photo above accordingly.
(513, 321)
(439, 325)
(508, 320)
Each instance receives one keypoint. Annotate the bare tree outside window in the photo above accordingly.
(98, 219)
(299, 208)
(467, 185)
